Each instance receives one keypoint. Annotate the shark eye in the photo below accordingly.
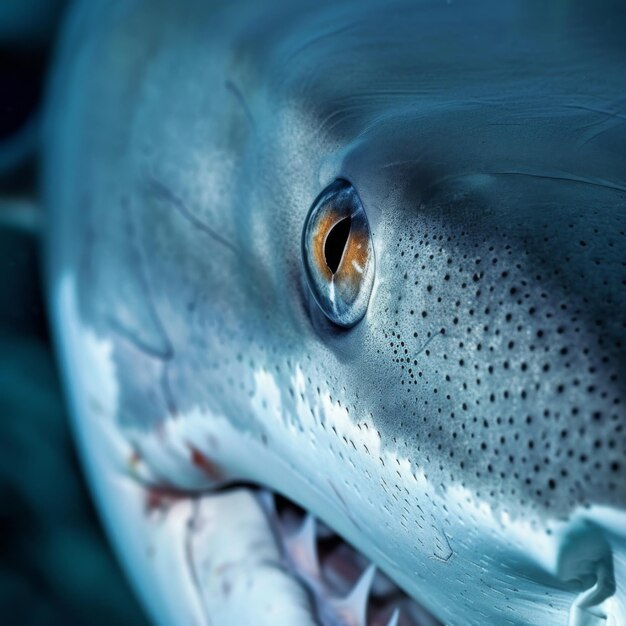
(338, 254)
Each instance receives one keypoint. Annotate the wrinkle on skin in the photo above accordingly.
(563, 177)
(239, 97)
(604, 112)
(439, 333)
(159, 190)
(569, 178)
(142, 264)
(138, 342)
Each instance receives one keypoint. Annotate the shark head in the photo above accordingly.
(371, 259)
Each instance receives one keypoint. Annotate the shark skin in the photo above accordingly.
(467, 436)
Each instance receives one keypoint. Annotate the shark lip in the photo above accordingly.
(345, 587)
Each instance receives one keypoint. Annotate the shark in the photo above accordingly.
(339, 294)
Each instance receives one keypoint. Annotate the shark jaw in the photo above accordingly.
(233, 555)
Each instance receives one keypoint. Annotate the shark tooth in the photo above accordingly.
(352, 610)
(393, 620)
(383, 585)
(302, 547)
(323, 531)
(268, 502)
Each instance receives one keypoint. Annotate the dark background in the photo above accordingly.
(56, 566)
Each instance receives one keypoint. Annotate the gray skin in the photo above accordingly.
(486, 141)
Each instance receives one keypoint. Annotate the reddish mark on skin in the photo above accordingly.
(205, 464)
(161, 498)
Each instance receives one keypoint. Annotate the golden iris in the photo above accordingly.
(338, 254)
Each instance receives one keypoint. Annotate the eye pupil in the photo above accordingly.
(335, 243)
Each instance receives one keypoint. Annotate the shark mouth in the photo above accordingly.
(345, 587)
(250, 552)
